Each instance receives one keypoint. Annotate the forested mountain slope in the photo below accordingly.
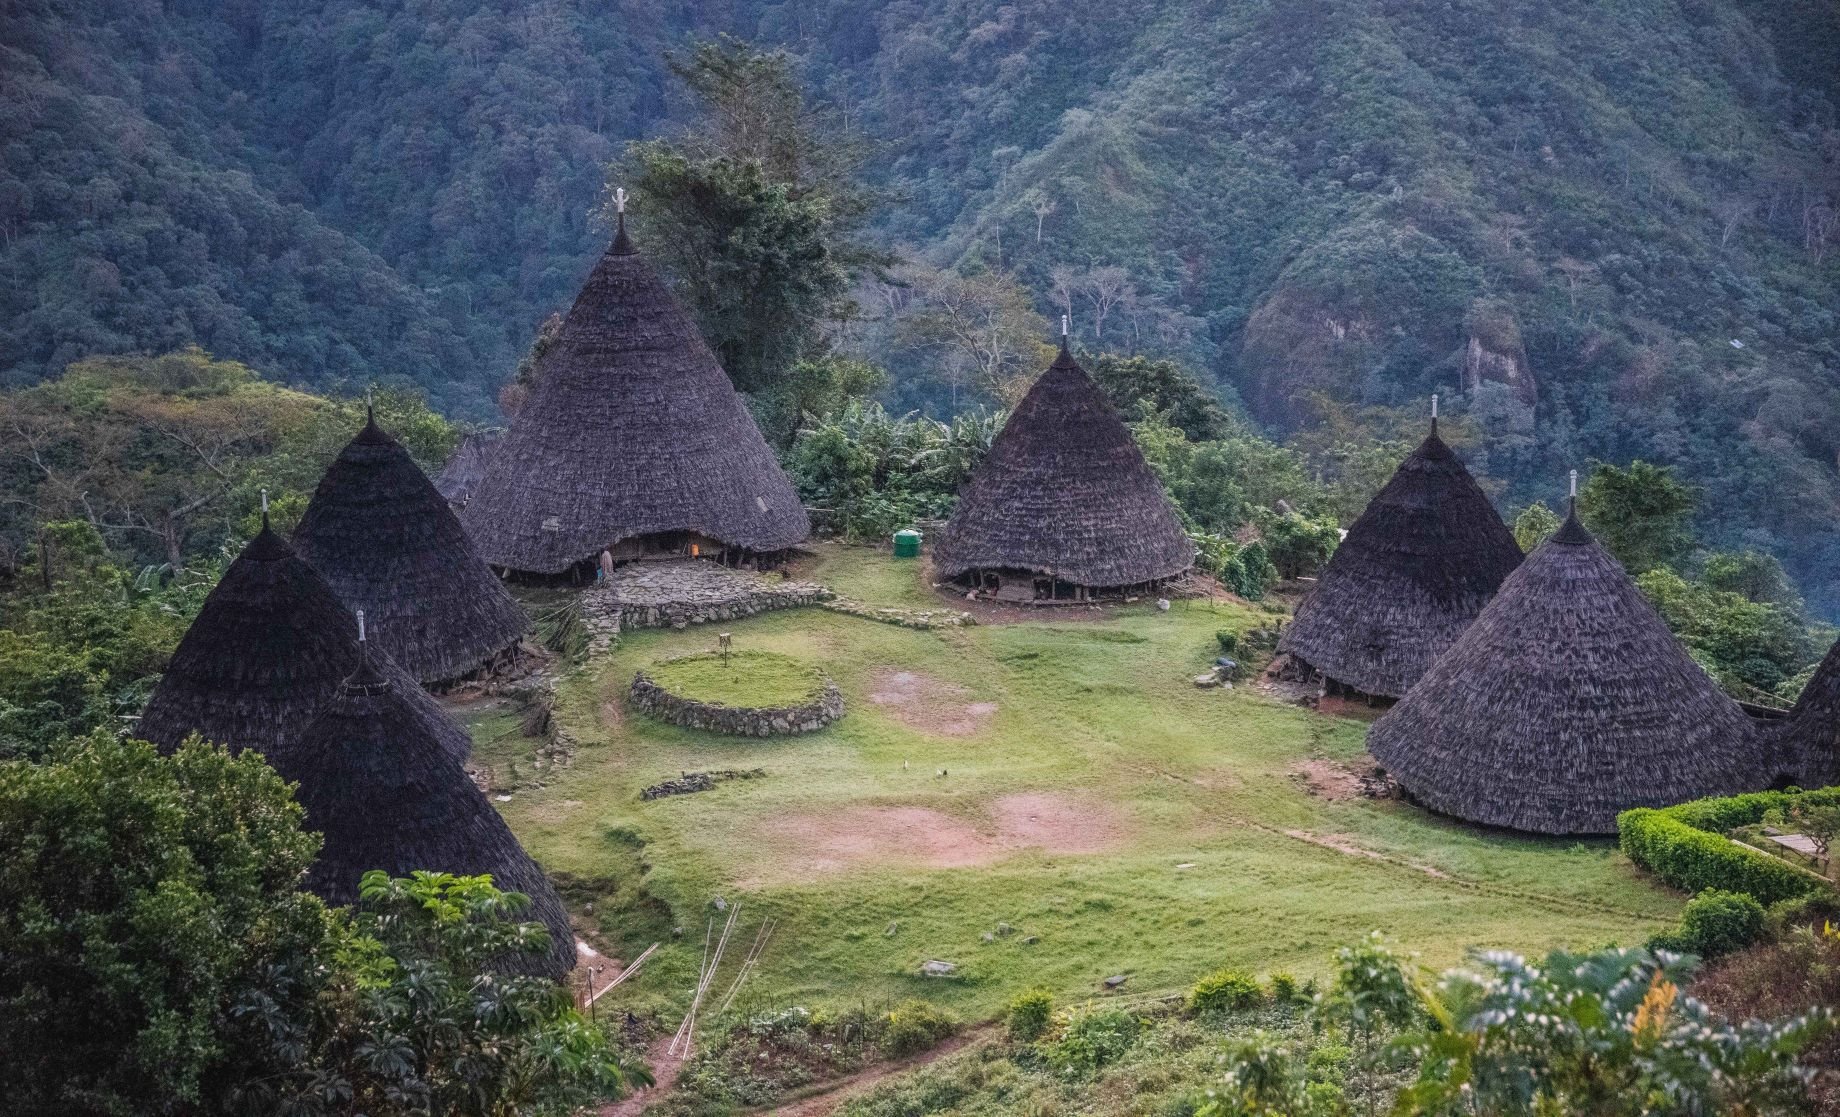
(1608, 227)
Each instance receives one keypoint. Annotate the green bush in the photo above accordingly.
(1094, 1039)
(914, 1026)
(1224, 991)
(1283, 988)
(1028, 1014)
(1229, 640)
(1695, 860)
(1715, 923)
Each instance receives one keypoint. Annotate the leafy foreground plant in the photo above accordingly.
(1607, 1033)
(156, 958)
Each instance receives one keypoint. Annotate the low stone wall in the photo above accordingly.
(681, 592)
(902, 618)
(650, 699)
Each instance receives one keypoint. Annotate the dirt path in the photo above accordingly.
(832, 1095)
(665, 1069)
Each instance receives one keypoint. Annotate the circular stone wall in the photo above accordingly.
(756, 694)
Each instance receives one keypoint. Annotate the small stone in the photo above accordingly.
(892, 928)
(1005, 929)
(936, 968)
(1030, 940)
(719, 904)
(1116, 980)
(1207, 679)
(988, 937)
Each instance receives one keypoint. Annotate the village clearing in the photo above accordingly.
(1097, 815)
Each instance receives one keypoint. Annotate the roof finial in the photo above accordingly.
(360, 626)
(620, 243)
(370, 406)
(1065, 323)
(1433, 412)
(1571, 503)
(264, 509)
(1574, 484)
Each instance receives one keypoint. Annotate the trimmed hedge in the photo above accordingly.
(1686, 846)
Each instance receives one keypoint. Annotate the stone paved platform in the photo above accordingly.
(677, 593)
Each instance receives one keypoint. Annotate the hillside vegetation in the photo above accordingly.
(1608, 230)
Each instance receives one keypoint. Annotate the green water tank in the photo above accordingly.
(907, 543)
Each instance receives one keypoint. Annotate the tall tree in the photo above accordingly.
(754, 208)
(1642, 514)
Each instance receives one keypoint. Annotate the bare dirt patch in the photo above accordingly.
(818, 843)
(828, 841)
(1057, 823)
(1325, 779)
(930, 705)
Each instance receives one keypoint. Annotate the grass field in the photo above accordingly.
(754, 679)
(1114, 817)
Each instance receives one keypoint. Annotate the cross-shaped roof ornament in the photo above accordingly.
(619, 199)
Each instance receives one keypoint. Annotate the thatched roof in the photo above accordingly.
(632, 428)
(1425, 556)
(1810, 735)
(386, 795)
(264, 656)
(1566, 701)
(1065, 491)
(386, 543)
(467, 467)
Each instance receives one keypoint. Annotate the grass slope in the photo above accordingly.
(1096, 731)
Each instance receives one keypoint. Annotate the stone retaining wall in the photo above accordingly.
(681, 614)
(682, 592)
(650, 699)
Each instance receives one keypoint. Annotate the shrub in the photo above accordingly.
(1223, 991)
(1715, 923)
(1028, 1014)
(1691, 858)
(914, 1026)
(1284, 988)
(1229, 640)
(1094, 1039)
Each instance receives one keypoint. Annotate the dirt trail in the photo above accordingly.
(665, 1069)
(831, 1095)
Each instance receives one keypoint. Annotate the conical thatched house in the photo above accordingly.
(633, 441)
(264, 656)
(1809, 738)
(1423, 559)
(386, 543)
(463, 472)
(1566, 701)
(382, 789)
(1064, 507)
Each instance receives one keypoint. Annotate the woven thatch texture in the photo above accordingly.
(1423, 559)
(1810, 735)
(633, 428)
(386, 543)
(263, 657)
(467, 467)
(1566, 701)
(380, 787)
(1065, 491)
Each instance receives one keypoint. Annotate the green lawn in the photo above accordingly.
(754, 679)
(1094, 801)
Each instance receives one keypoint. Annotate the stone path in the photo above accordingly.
(677, 593)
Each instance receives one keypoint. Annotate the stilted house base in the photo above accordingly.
(1301, 670)
(1033, 587)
